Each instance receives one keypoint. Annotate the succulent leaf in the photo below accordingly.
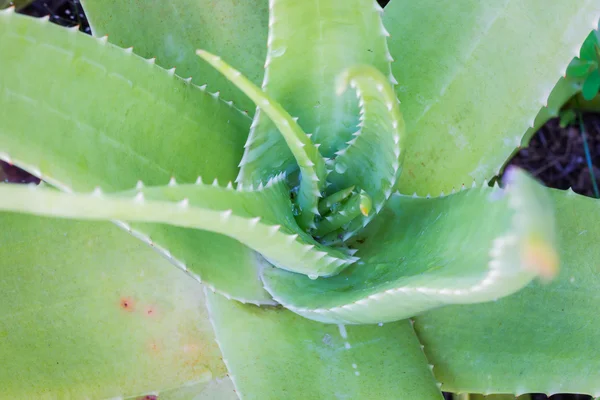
(216, 389)
(564, 90)
(309, 44)
(161, 127)
(472, 79)
(327, 203)
(343, 215)
(474, 246)
(567, 87)
(172, 31)
(308, 158)
(261, 219)
(56, 129)
(111, 319)
(273, 354)
(92, 312)
(373, 158)
(549, 331)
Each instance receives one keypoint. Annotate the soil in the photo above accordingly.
(555, 155)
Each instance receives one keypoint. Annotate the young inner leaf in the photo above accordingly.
(310, 162)
(372, 160)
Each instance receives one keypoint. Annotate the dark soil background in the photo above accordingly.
(555, 155)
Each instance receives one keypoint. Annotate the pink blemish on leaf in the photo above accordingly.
(188, 348)
(148, 397)
(153, 346)
(127, 304)
(150, 311)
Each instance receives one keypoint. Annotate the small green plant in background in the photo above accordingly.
(585, 67)
(284, 155)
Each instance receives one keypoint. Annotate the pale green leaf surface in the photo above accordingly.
(74, 109)
(89, 312)
(541, 339)
(564, 90)
(308, 158)
(262, 219)
(274, 354)
(79, 113)
(473, 246)
(216, 389)
(310, 43)
(372, 159)
(172, 30)
(473, 75)
(566, 87)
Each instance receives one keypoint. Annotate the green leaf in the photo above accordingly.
(589, 46)
(152, 126)
(591, 85)
(172, 31)
(290, 357)
(308, 158)
(565, 89)
(473, 75)
(90, 312)
(261, 219)
(372, 159)
(217, 389)
(579, 68)
(474, 246)
(542, 339)
(75, 109)
(310, 43)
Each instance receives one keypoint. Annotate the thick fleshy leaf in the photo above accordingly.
(273, 354)
(74, 108)
(262, 219)
(309, 160)
(310, 43)
(474, 246)
(542, 339)
(172, 30)
(372, 160)
(217, 389)
(564, 90)
(121, 120)
(89, 312)
(472, 79)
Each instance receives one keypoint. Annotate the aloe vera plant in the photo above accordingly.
(287, 164)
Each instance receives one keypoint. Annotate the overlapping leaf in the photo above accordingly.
(473, 75)
(474, 246)
(172, 31)
(273, 354)
(372, 159)
(262, 219)
(76, 109)
(543, 339)
(309, 44)
(308, 158)
(80, 113)
(90, 312)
